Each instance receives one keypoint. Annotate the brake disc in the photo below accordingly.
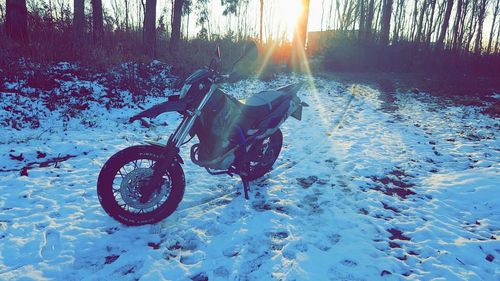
(130, 189)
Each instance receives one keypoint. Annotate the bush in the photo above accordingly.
(349, 54)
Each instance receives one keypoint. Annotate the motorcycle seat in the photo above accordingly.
(262, 104)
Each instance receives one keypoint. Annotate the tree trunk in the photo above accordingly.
(456, 25)
(126, 15)
(369, 20)
(16, 20)
(414, 22)
(430, 30)
(97, 21)
(497, 42)
(176, 25)
(187, 29)
(149, 36)
(495, 14)
(362, 19)
(260, 20)
(480, 21)
(461, 26)
(386, 22)
(444, 26)
(78, 21)
(471, 29)
(398, 20)
(300, 37)
(2, 14)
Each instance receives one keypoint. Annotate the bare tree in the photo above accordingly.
(369, 20)
(386, 22)
(362, 20)
(495, 14)
(430, 22)
(97, 20)
(149, 36)
(127, 5)
(117, 13)
(444, 26)
(497, 42)
(260, 20)
(175, 37)
(300, 35)
(16, 20)
(398, 19)
(2, 13)
(78, 20)
(480, 22)
(456, 25)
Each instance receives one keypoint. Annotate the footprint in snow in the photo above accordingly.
(307, 182)
(221, 272)
(202, 276)
(349, 263)
(50, 244)
(334, 238)
(192, 258)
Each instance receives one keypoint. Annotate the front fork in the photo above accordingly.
(172, 148)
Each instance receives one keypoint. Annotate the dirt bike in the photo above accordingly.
(144, 184)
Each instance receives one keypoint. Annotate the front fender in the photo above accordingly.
(155, 144)
(171, 105)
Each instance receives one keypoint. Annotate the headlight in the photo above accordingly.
(184, 90)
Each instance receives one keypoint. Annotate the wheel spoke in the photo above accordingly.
(121, 174)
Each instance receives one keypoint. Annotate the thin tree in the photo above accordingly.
(2, 13)
(369, 20)
(495, 14)
(78, 21)
(431, 26)
(16, 20)
(97, 20)
(260, 20)
(497, 42)
(386, 22)
(149, 36)
(420, 26)
(456, 25)
(480, 21)
(300, 36)
(362, 20)
(186, 11)
(127, 5)
(175, 37)
(414, 21)
(444, 26)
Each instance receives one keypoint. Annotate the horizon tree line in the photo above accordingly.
(457, 25)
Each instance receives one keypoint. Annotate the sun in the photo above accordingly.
(288, 12)
(291, 13)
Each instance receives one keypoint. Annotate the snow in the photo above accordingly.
(361, 191)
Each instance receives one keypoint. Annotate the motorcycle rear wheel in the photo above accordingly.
(122, 177)
(263, 154)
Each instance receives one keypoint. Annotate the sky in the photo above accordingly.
(279, 15)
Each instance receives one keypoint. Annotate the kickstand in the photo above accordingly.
(246, 187)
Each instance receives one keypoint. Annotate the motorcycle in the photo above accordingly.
(144, 184)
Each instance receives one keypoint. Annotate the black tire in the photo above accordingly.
(112, 198)
(263, 154)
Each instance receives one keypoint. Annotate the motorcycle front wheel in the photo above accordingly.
(126, 174)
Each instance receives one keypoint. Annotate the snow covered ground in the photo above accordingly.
(361, 191)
